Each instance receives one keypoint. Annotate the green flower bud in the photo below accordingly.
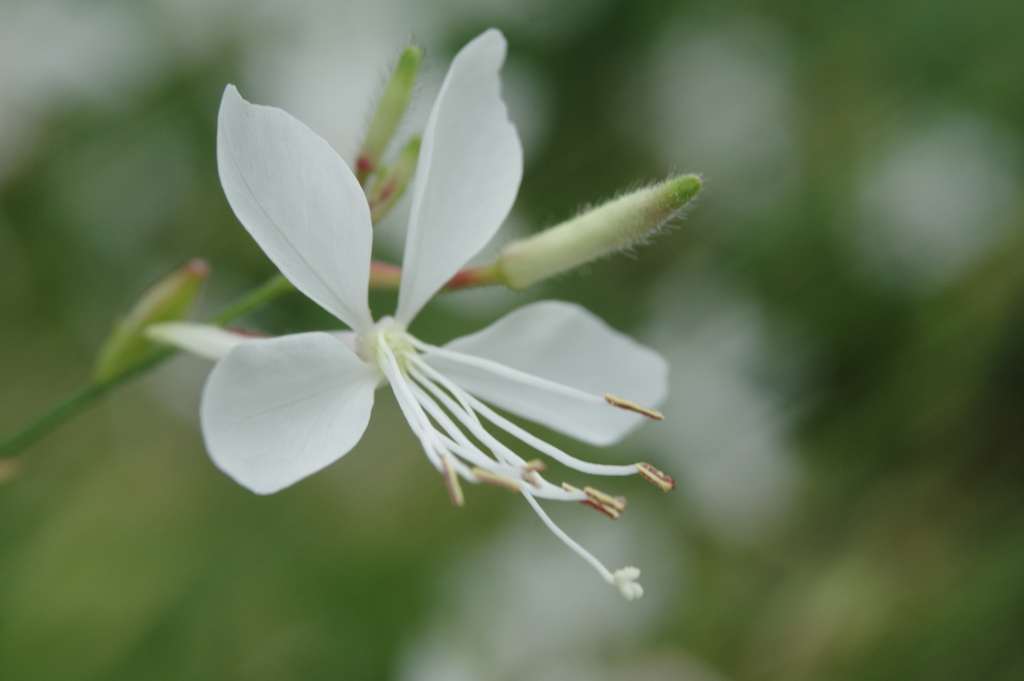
(389, 112)
(598, 232)
(170, 299)
(391, 182)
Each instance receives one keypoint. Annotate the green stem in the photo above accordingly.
(72, 404)
(59, 413)
(258, 297)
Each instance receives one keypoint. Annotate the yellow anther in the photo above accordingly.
(605, 503)
(530, 469)
(495, 479)
(596, 499)
(656, 477)
(451, 480)
(633, 406)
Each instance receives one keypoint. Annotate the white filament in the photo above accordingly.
(419, 388)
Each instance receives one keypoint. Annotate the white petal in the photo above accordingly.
(276, 410)
(211, 342)
(467, 177)
(300, 202)
(565, 343)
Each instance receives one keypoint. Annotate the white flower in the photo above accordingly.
(276, 410)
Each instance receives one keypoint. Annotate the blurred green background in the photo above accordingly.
(843, 309)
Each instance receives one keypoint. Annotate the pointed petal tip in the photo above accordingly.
(468, 175)
(229, 98)
(300, 201)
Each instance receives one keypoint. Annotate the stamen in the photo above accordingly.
(464, 413)
(451, 480)
(606, 503)
(408, 382)
(467, 417)
(496, 480)
(656, 477)
(633, 406)
(599, 501)
(472, 404)
(530, 470)
(467, 449)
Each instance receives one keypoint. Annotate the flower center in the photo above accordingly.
(389, 333)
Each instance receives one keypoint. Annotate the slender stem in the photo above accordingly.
(75, 402)
(258, 297)
(59, 413)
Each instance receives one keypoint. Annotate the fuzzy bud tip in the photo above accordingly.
(611, 227)
(393, 103)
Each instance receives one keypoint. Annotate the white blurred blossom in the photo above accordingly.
(722, 100)
(515, 609)
(726, 430)
(934, 200)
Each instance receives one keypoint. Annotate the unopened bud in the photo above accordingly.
(170, 299)
(391, 182)
(609, 228)
(389, 112)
